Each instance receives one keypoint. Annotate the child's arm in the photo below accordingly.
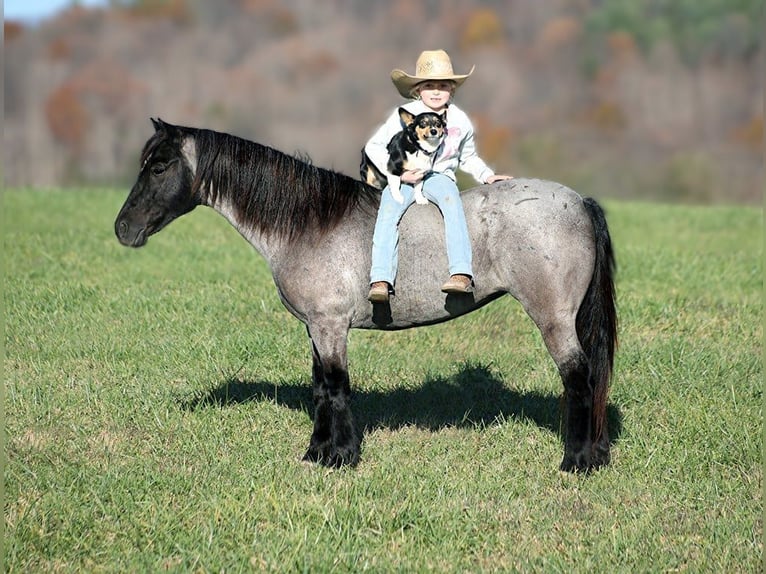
(471, 163)
(377, 146)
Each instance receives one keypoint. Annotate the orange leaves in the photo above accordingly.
(176, 10)
(102, 85)
(66, 116)
(606, 116)
(11, 30)
(750, 133)
(484, 28)
(558, 34)
(494, 140)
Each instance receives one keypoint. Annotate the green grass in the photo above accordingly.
(157, 405)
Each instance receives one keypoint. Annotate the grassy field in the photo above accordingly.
(157, 405)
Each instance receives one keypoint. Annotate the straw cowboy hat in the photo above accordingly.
(431, 65)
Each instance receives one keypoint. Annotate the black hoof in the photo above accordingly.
(573, 463)
(332, 458)
(318, 449)
(585, 461)
(601, 455)
(312, 455)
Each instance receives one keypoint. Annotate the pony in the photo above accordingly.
(537, 240)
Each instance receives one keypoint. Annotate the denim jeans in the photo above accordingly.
(439, 189)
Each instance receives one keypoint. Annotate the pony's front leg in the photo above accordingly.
(335, 440)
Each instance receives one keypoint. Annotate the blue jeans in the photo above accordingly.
(439, 189)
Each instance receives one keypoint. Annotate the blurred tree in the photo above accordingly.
(606, 116)
(176, 10)
(750, 133)
(11, 30)
(494, 140)
(67, 118)
(689, 176)
(484, 28)
(558, 34)
(59, 49)
(698, 29)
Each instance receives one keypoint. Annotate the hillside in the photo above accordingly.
(622, 99)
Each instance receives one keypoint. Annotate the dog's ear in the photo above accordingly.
(406, 117)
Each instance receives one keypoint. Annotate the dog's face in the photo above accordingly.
(428, 126)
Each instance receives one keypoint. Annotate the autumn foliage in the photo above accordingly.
(11, 31)
(484, 28)
(581, 91)
(67, 118)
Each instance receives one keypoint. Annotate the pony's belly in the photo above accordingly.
(406, 312)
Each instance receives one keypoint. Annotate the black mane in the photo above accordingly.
(272, 191)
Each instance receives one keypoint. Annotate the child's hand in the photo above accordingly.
(413, 176)
(497, 177)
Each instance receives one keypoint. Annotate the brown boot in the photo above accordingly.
(379, 292)
(458, 284)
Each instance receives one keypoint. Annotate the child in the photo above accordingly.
(431, 89)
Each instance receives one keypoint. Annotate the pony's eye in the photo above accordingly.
(158, 168)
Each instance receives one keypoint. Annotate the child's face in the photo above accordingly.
(435, 94)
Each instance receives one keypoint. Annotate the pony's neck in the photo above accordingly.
(220, 199)
(268, 245)
(268, 195)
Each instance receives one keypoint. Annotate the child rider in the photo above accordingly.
(431, 88)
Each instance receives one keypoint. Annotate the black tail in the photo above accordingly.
(597, 320)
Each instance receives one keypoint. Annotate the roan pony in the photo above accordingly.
(537, 240)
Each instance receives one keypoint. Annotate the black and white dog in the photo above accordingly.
(415, 147)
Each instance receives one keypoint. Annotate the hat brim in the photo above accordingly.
(405, 83)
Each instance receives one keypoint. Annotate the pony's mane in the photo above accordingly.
(272, 191)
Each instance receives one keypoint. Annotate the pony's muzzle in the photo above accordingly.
(127, 236)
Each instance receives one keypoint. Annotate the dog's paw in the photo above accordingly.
(421, 200)
(398, 197)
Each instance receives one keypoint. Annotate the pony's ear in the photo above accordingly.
(169, 130)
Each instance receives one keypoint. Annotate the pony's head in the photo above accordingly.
(163, 190)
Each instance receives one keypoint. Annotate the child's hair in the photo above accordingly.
(414, 91)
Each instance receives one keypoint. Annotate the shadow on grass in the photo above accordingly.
(473, 397)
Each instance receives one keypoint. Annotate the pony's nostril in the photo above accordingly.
(122, 228)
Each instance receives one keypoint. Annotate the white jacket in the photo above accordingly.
(457, 151)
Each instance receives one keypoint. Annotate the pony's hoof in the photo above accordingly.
(339, 458)
(584, 461)
(311, 456)
(574, 466)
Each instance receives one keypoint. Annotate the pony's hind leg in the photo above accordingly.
(335, 441)
(578, 414)
(580, 453)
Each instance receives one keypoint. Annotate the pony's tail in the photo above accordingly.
(597, 319)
